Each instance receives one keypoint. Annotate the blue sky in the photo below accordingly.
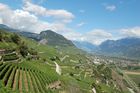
(89, 20)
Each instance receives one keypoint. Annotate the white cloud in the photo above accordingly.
(100, 33)
(72, 35)
(97, 36)
(62, 14)
(81, 24)
(41, 1)
(131, 32)
(22, 20)
(3, 6)
(110, 7)
(1, 21)
(27, 21)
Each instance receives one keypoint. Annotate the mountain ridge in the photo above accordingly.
(86, 46)
(125, 47)
(53, 38)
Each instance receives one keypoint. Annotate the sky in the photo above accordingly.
(93, 21)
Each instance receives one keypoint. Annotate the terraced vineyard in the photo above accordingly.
(22, 78)
(29, 67)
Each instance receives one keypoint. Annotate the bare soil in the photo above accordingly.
(15, 80)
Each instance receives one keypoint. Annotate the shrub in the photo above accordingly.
(23, 49)
(15, 38)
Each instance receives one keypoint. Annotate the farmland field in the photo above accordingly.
(135, 76)
(31, 67)
(20, 77)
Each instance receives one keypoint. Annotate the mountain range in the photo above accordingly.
(126, 47)
(50, 37)
(25, 62)
(86, 46)
(5, 27)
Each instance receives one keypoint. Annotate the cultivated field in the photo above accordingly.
(135, 76)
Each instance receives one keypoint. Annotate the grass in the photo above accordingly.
(4, 45)
(135, 78)
(39, 74)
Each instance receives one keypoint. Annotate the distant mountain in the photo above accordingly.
(86, 46)
(55, 39)
(129, 47)
(5, 27)
(31, 35)
(126, 47)
(52, 38)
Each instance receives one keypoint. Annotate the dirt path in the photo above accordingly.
(15, 79)
(49, 64)
(30, 81)
(94, 90)
(63, 58)
(131, 72)
(20, 82)
(58, 68)
(25, 81)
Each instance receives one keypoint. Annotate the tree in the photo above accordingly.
(52, 58)
(23, 49)
(1, 36)
(15, 38)
(6, 38)
(44, 60)
(32, 51)
(71, 74)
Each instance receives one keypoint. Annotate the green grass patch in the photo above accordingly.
(135, 78)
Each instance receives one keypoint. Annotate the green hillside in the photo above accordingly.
(49, 37)
(55, 39)
(29, 67)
